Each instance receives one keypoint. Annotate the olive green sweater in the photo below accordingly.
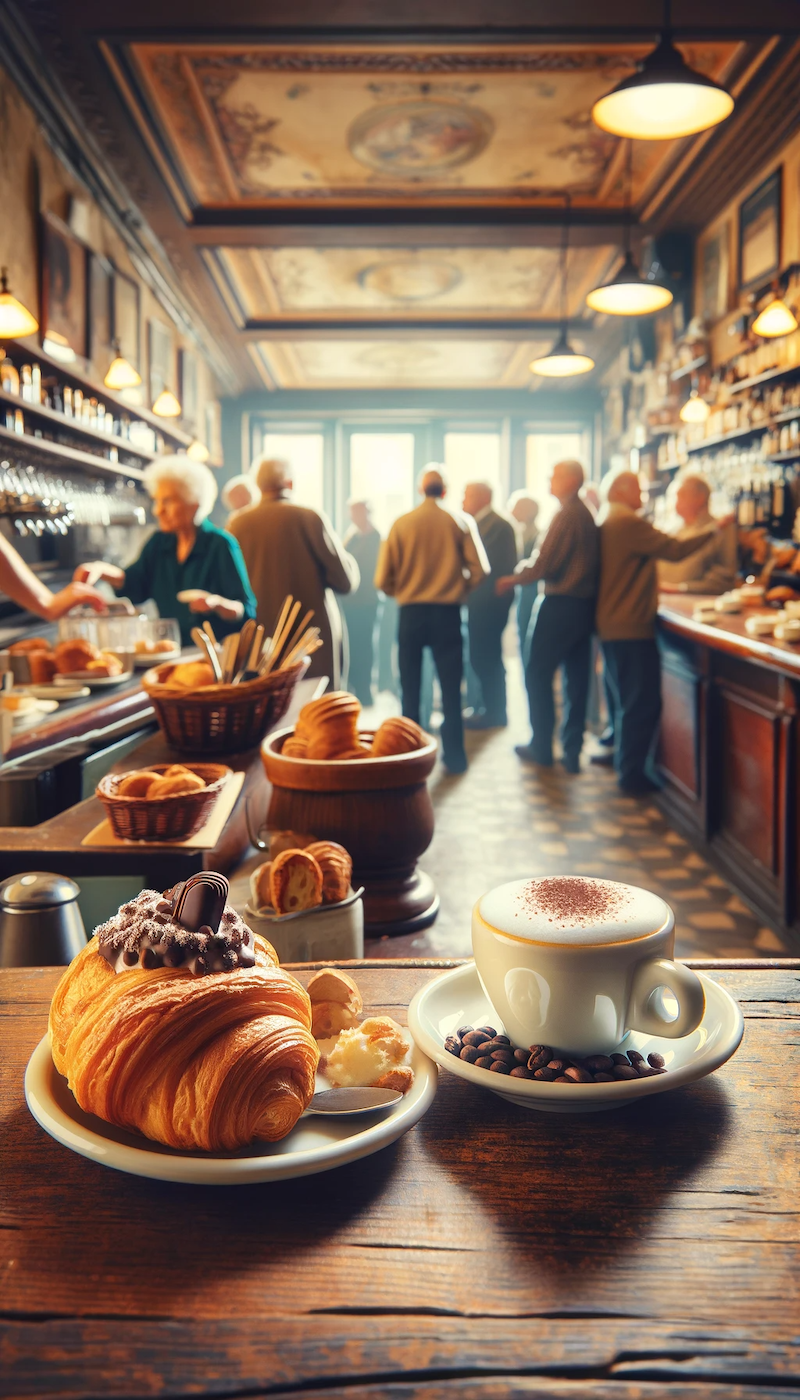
(627, 600)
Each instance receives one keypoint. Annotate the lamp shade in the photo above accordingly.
(15, 319)
(695, 410)
(120, 373)
(776, 319)
(628, 293)
(166, 405)
(198, 451)
(663, 99)
(562, 361)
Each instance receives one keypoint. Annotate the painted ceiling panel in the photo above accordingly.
(403, 363)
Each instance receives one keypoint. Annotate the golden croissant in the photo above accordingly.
(210, 1061)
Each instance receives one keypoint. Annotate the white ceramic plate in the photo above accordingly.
(144, 660)
(94, 682)
(59, 693)
(457, 999)
(316, 1144)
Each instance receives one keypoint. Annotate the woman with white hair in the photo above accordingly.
(186, 552)
(239, 493)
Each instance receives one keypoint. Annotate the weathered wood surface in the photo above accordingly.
(651, 1252)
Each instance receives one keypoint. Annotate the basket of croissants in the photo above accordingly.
(168, 802)
(197, 714)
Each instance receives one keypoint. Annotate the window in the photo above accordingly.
(472, 457)
(382, 472)
(305, 454)
(542, 451)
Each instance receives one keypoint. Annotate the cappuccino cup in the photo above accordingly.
(576, 963)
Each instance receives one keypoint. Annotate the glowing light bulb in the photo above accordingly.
(166, 405)
(663, 100)
(695, 410)
(15, 319)
(776, 319)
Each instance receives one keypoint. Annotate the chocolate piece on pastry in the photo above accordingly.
(295, 882)
(337, 868)
(397, 735)
(335, 1002)
(212, 1062)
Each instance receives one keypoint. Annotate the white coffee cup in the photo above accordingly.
(577, 963)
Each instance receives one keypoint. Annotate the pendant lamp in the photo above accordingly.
(664, 98)
(198, 451)
(776, 319)
(121, 373)
(562, 362)
(628, 293)
(695, 410)
(15, 319)
(166, 405)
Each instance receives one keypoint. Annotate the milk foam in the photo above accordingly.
(573, 909)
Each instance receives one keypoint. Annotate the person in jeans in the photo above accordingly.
(524, 509)
(563, 620)
(360, 607)
(487, 614)
(627, 604)
(429, 562)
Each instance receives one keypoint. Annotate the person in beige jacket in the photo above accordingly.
(627, 604)
(294, 549)
(429, 562)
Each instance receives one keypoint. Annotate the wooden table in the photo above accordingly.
(641, 1254)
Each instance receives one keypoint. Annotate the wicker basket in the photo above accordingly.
(220, 718)
(162, 818)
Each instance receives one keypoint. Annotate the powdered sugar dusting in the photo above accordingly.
(572, 901)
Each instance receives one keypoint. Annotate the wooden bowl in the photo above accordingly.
(379, 809)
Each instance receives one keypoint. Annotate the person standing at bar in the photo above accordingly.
(627, 604)
(430, 561)
(711, 569)
(294, 549)
(360, 606)
(563, 620)
(487, 612)
(525, 510)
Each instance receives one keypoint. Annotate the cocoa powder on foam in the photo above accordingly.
(572, 900)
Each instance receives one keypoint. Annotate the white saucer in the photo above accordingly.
(94, 682)
(316, 1144)
(457, 999)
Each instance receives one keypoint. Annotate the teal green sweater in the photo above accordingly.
(215, 565)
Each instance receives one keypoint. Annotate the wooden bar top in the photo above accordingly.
(639, 1254)
(75, 718)
(729, 635)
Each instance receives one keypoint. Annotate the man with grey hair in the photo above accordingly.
(563, 620)
(712, 569)
(237, 494)
(487, 614)
(294, 549)
(627, 605)
(430, 561)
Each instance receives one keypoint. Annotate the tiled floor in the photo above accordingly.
(504, 819)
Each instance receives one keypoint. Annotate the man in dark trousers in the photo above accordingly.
(563, 620)
(487, 612)
(360, 607)
(430, 561)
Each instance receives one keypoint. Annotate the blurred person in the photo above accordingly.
(627, 604)
(430, 561)
(563, 620)
(487, 611)
(525, 510)
(237, 494)
(19, 582)
(591, 497)
(712, 569)
(186, 552)
(294, 549)
(360, 607)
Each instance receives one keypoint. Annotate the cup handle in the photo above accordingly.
(685, 986)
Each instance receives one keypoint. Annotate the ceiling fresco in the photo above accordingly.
(400, 363)
(259, 125)
(368, 282)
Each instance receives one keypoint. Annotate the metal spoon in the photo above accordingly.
(350, 1101)
(201, 640)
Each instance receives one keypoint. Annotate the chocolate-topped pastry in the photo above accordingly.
(152, 930)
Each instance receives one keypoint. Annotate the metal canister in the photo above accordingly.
(40, 922)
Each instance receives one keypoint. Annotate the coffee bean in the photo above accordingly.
(483, 1062)
(603, 1078)
(625, 1072)
(548, 1075)
(645, 1071)
(453, 1044)
(469, 1053)
(462, 1031)
(507, 1056)
(562, 1079)
(635, 1057)
(486, 1047)
(620, 1059)
(597, 1063)
(488, 1031)
(558, 1065)
(473, 1038)
(578, 1076)
(521, 1057)
(539, 1056)
(522, 1072)
(656, 1060)
(500, 1067)
(501, 1040)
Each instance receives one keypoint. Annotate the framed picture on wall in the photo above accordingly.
(125, 321)
(715, 275)
(64, 301)
(760, 233)
(101, 312)
(161, 359)
(187, 382)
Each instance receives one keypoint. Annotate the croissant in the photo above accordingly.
(210, 1062)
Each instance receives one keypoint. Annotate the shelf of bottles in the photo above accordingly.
(39, 502)
(70, 417)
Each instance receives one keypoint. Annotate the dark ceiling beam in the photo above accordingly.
(501, 328)
(477, 225)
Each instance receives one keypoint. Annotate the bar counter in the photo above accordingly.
(728, 753)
